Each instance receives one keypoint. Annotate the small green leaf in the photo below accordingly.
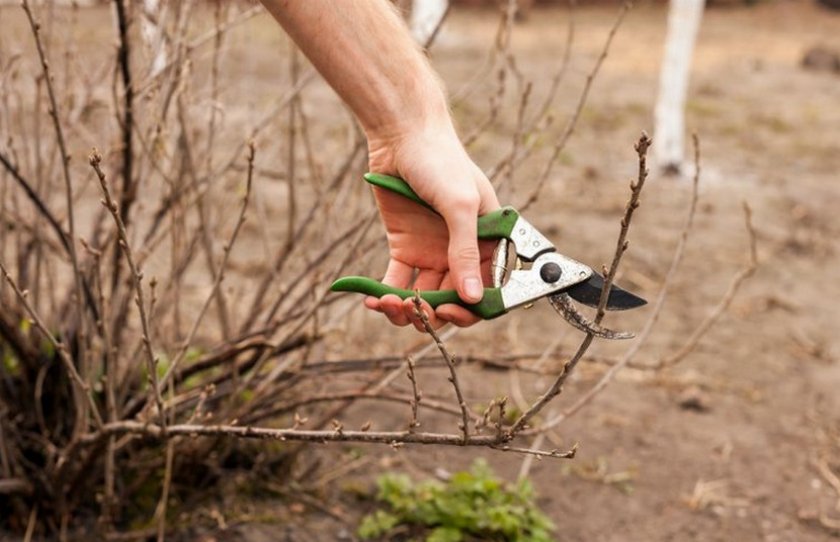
(445, 534)
(377, 524)
(10, 363)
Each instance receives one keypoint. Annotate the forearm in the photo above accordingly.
(365, 52)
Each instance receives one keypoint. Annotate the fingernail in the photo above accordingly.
(473, 289)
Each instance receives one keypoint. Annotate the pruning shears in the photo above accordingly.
(539, 271)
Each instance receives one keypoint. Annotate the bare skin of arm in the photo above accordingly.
(365, 52)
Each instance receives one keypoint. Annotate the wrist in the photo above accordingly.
(422, 108)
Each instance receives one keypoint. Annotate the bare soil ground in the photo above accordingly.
(767, 377)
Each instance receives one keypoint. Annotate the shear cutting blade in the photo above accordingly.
(588, 292)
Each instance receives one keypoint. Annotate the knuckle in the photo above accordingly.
(467, 201)
(465, 253)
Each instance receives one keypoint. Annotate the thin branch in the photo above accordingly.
(450, 362)
(410, 400)
(344, 435)
(415, 402)
(15, 486)
(129, 188)
(65, 163)
(621, 246)
(291, 181)
(569, 129)
(656, 311)
(556, 454)
(220, 275)
(725, 301)
(37, 201)
(197, 42)
(160, 512)
(137, 278)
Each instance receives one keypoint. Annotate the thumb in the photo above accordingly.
(464, 256)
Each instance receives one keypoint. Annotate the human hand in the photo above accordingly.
(443, 249)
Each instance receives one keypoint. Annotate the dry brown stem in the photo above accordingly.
(137, 279)
(715, 314)
(220, 274)
(621, 246)
(450, 363)
(64, 156)
(197, 430)
(413, 424)
(555, 420)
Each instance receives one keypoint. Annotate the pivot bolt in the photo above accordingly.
(550, 272)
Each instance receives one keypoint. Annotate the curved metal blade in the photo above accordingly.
(563, 304)
(588, 292)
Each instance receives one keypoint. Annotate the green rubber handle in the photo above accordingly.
(490, 306)
(495, 225)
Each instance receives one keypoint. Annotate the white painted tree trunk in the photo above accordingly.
(151, 27)
(669, 124)
(425, 16)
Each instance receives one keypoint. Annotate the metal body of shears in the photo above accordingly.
(550, 274)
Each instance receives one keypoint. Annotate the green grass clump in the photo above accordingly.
(472, 505)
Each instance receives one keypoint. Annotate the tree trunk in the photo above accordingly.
(151, 27)
(669, 129)
(425, 16)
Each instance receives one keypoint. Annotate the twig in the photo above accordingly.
(450, 362)
(561, 72)
(656, 311)
(95, 160)
(160, 512)
(30, 524)
(725, 301)
(569, 128)
(828, 475)
(129, 189)
(557, 454)
(502, 403)
(68, 184)
(197, 42)
(519, 133)
(110, 380)
(15, 486)
(196, 430)
(621, 246)
(37, 201)
(221, 302)
(220, 275)
(415, 402)
(528, 460)
(291, 181)
(284, 408)
(492, 115)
